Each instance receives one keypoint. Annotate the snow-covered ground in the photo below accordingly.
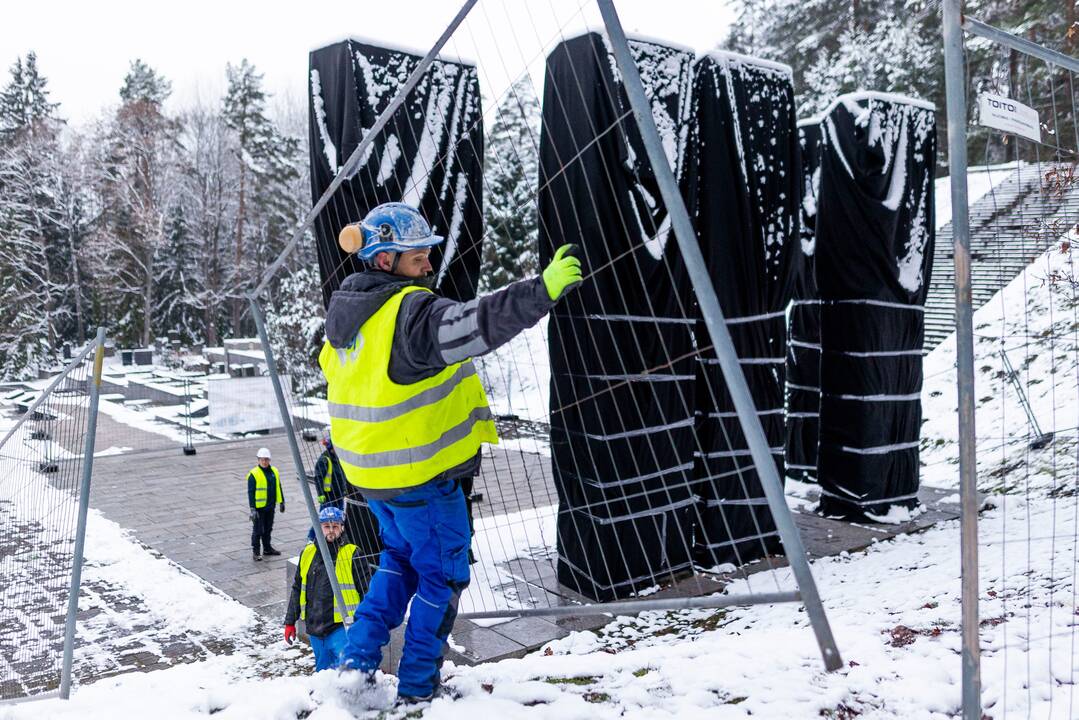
(1034, 320)
(894, 608)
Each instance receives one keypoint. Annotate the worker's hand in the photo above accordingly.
(282, 507)
(290, 634)
(254, 515)
(321, 499)
(564, 272)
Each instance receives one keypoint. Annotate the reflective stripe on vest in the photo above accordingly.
(388, 435)
(261, 489)
(343, 571)
(327, 481)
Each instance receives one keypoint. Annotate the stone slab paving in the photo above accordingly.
(193, 509)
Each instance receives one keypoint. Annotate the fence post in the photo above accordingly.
(712, 313)
(84, 507)
(297, 459)
(955, 86)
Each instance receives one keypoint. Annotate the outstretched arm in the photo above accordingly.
(434, 332)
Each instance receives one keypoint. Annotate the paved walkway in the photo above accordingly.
(193, 509)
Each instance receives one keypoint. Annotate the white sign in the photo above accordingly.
(1009, 115)
(240, 405)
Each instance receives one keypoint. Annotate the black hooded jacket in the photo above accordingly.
(319, 621)
(433, 332)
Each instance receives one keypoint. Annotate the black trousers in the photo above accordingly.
(261, 529)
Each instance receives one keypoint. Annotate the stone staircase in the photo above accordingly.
(1009, 228)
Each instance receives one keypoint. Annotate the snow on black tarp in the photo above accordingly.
(874, 257)
(742, 187)
(430, 155)
(621, 347)
(803, 346)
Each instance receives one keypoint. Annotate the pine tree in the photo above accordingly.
(894, 46)
(511, 170)
(43, 211)
(834, 48)
(143, 84)
(136, 181)
(24, 102)
(266, 161)
(207, 193)
(176, 280)
(295, 326)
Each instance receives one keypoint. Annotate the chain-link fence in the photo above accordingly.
(46, 459)
(1017, 352)
(632, 459)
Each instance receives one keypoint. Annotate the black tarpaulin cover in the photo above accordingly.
(622, 370)
(742, 186)
(430, 155)
(803, 346)
(874, 258)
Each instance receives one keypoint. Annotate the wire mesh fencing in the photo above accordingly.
(46, 457)
(622, 467)
(1023, 199)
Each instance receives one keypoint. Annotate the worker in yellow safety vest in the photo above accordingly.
(312, 599)
(263, 494)
(409, 417)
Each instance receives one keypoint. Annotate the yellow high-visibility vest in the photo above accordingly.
(327, 480)
(390, 436)
(343, 571)
(261, 489)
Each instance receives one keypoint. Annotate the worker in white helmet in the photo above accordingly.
(263, 493)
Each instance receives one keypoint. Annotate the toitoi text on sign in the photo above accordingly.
(1009, 115)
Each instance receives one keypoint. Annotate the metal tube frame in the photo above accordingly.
(634, 607)
(47, 391)
(721, 339)
(297, 459)
(84, 508)
(955, 88)
(977, 27)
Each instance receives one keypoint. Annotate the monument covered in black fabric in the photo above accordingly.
(430, 155)
(874, 255)
(803, 345)
(622, 367)
(742, 186)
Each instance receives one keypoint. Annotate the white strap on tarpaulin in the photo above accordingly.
(732, 414)
(755, 318)
(642, 318)
(846, 499)
(688, 422)
(746, 361)
(880, 449)
(878, 398)
(880, 353)
(877, 303)
(733, 453)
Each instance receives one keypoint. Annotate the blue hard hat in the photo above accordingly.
(331, 513)
(395, 227)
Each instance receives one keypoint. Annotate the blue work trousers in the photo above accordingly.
(330, 650)
(425, 539)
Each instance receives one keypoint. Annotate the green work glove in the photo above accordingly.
(564, 272)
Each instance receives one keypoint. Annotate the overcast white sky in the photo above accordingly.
(84, 47)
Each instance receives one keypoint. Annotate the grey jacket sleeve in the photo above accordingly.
(434, 332)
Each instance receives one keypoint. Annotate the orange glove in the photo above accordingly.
(290, 634)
